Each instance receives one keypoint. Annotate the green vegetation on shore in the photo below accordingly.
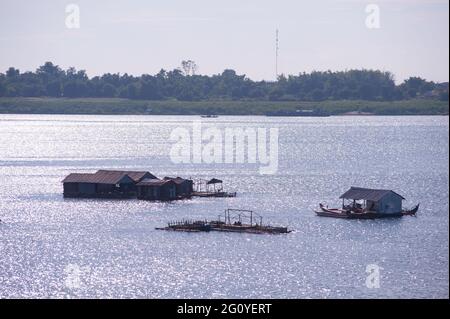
(50, 80)
(38, 105)
(52, 90)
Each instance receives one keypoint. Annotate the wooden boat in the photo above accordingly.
(336, 213)
(367, 203)
(360, 214)
(411, 212)
(210, 116)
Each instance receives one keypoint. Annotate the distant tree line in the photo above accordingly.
(185, 85)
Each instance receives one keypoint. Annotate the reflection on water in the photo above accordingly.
(52, 247)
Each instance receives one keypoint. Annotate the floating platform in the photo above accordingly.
(227, 225)
(213, 194)
(188, 226)
(247, 228)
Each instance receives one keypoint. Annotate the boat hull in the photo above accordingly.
(331, 214)
(350, 215)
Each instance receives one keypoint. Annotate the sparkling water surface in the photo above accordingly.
(52, 247)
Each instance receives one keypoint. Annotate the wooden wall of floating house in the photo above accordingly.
(104, 188)
(391, 203)
(70, 188)
(127, 187)
(86, 188)
(149, 192)
(372, 206)
(168, 191)
(190, 186)
(184, 188)
(141, 192)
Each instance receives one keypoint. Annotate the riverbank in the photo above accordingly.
(173, 107)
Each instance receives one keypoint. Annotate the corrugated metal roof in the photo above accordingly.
(100, 177)
(154, 182)
(136, 176)
(177, 180)
(367, 193)
(79, 178)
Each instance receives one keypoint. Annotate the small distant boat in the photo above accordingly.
(298, 113)
(209, 116)
(377, 203)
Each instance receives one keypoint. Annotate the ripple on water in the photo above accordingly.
(65, 248)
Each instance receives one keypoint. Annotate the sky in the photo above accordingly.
(143, 36)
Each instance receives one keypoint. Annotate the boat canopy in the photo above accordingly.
(214, 181)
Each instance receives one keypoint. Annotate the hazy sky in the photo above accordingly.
(143, 36)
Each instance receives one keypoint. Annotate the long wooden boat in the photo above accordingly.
(332, 213)
(213, 116)
(349, 214)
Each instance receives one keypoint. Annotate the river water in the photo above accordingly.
(52, 247)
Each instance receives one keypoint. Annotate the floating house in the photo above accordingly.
(367, 203)
(184, 187)
(131, 184)
(156, 189)
(380, 201)
(104, 184)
